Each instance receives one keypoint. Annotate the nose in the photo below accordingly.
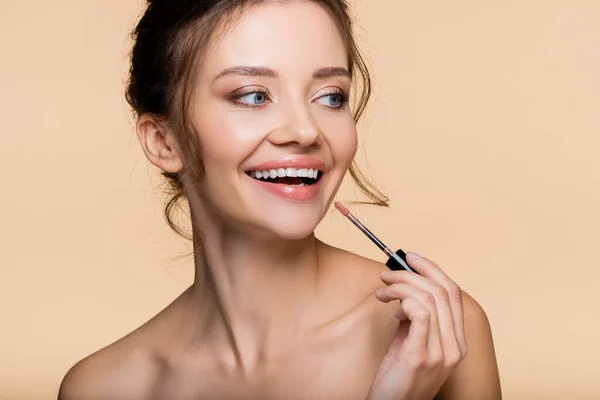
(297, 128)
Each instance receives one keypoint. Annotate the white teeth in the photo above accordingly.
(291, 172)
(283, 172)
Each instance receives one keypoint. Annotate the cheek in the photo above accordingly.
(343, 141)
(230, 138)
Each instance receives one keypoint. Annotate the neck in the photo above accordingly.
(253, 293)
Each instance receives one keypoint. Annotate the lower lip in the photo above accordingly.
(291, 192)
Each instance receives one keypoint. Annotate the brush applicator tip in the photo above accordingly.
(341, 208)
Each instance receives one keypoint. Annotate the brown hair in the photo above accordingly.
(167, 40)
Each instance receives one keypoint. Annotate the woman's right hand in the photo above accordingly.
(430, 341)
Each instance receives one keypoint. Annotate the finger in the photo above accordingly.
(432, 271)
(448, 333)
(403, 292)
(400, 314)
(417, 340)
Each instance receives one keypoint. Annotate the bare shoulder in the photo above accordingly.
(130, 368)
(477, 376)
(360, 279)
(367, 272)
(358, 272)
(474, 314)
(123, 370)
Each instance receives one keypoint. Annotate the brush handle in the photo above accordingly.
(397, 261)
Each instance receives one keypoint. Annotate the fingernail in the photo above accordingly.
(412, 255)
(386, 274)
(379, 292)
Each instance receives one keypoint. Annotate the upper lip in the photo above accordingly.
(291, 162)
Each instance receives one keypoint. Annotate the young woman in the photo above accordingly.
(244, 107)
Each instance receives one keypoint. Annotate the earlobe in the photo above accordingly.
(159, 145)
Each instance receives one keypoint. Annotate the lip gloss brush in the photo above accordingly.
(396, 261)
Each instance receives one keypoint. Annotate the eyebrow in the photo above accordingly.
(322, 73)
(329, 72)
(247, 71)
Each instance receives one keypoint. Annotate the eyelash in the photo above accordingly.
(344, 98)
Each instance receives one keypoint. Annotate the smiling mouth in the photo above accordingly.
(288, 176)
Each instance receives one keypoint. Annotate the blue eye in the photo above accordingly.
(253, 99)
(333, 100)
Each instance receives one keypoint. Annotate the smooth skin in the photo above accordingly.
(273, 312)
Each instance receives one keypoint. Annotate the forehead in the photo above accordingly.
(295, 35)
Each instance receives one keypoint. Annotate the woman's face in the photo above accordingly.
(272, 116)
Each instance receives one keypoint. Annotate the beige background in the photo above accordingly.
(484, 131)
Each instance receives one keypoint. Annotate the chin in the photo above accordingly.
(292, 226)
(294, 233)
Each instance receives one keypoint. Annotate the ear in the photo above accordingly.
(159, 145)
